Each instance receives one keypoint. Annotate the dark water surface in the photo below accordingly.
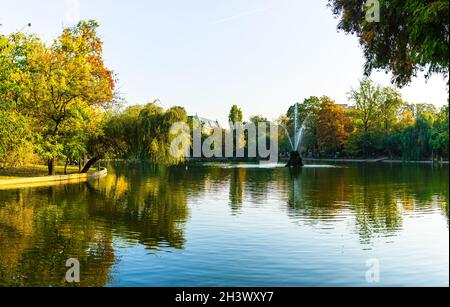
(221, 225)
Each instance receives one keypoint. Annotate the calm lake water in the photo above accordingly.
(225, 225)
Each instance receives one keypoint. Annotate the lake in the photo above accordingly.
(233, 225)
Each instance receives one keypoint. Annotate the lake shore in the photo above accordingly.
(34, 171)
(373, 161)
(285, 160)
(15, 183)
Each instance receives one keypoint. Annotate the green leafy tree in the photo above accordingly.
(66, 82)
(256, 120)
(439, 140)
(124, 135)
(416, 139)
(308, 114)
(156, 124)
(376, 112)
(16, 147)
(236, 115)
(16, 140)
(390, 108)
(411, 35)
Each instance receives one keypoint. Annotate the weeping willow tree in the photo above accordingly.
(439, 140)
(416, 140)
(155, 125)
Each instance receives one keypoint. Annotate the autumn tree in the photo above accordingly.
(332, 126)
(66, 84)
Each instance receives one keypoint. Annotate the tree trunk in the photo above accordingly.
(51, 166)
(88, 165)
(65, 167)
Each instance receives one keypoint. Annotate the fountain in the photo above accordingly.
(295, 159)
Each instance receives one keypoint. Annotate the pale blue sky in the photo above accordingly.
(206, 55)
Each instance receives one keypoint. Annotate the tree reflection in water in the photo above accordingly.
(377, 197)
(41, 228)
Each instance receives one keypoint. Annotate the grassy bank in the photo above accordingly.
(33, 171)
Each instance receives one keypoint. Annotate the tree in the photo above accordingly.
(332, 126)
(416, 139)
(368, 99)
(390, 108)
(256, 120)
(66, 84)
(439, 140)
(411, 35)
(423, 109)
(16, 147)
(151, 121)
(124, 134)
(236, 115)
(16, 137)
(155, 125)
(308, 112)
(376, 108)
(235, 118)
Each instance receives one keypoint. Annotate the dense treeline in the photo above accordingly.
(378, 123)
(58, 105)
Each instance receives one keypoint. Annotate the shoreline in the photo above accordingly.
(285, 160)
(7, 184)
(372, 161)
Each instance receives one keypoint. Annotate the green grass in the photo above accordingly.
(33, 171)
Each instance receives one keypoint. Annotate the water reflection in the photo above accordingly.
(376, 197)
(147, 204)
(41, 228)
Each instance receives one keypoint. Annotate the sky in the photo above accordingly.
(206, 55)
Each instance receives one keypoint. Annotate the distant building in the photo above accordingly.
(208, 125)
